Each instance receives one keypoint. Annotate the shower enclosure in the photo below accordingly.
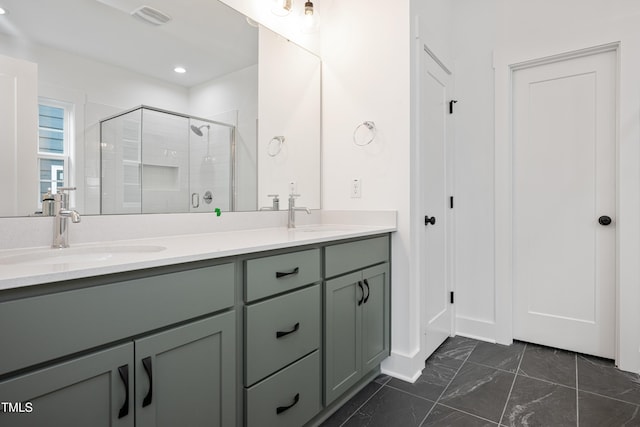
(157, 161)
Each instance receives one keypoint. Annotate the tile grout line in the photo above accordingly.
(577, 394)
(515, 376)
(409, 393)
(445, 389)
(469, 413)
(604, 396)
(365, 402)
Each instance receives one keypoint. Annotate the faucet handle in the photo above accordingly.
(292, 195)
(61, 199)
(273, 195)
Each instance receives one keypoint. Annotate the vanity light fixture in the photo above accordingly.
(308, 8)
(180, 70)
(310, 18)
(282, 7)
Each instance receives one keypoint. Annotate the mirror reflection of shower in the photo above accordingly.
(162, 162)
(198, 131)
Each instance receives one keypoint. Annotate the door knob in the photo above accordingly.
(428, 220)
(604, 220)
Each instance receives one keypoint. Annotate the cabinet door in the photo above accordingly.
(186, 375)
(87, 391)
(342, 334)
(375, 317)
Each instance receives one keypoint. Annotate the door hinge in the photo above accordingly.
(451, 299)
(451, 202)
(453, 101)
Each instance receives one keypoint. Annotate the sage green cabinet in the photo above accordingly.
(280, 331)
(288, 398)
(94, 390)
(57, 324)
(178, 377)
(186, 375)
(356, 327)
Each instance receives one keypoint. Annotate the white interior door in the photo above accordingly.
(564, 132)
(434, 116)
(18, 136)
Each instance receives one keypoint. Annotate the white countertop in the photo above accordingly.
(32, 266)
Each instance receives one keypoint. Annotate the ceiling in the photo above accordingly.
(206, 37)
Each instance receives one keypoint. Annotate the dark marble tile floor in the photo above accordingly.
(469, 383)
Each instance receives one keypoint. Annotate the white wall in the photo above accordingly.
(497, 33)
(233, 99)
(289, 105)
(546, 28)
(473, 41)
(365, 53)
(465, 37)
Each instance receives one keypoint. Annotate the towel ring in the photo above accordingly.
(364, 134)
(275, 146)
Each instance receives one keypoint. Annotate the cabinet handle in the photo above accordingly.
(280, 274)
(361, 290)
(124, 376)
(281, 409)
(146, 362)
(280, 334)
(366, 282)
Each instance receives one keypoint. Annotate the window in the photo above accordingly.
(54, 145)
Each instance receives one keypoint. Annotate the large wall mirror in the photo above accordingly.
(90, 99)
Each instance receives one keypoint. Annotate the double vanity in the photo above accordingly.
(264, 327)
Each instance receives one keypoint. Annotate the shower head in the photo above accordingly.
(198, 130)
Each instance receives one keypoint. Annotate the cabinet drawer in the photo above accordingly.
(289, 398)
(280, 331)
(279, 273)
(51, 326)
(345, 257)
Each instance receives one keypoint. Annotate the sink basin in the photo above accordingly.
(78, 255)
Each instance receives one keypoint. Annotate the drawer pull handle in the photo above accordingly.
(366, 283)
(362, 292)
(124, 376)
(146, 362)
(280, 334)
(281, 409)
(280, 274)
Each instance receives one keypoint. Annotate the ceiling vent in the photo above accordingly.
(150, 15)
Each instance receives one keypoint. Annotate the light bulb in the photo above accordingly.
(308, 8)
(310, 18)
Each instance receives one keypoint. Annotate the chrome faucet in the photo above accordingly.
(292, 210)
(63, 213)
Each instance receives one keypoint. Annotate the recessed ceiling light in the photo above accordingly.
(180, 70)
(2, 11)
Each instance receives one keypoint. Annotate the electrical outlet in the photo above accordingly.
(356, 188)
(293, 188)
